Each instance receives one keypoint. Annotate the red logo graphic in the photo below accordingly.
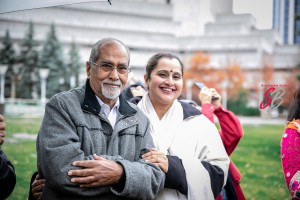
(272, 98)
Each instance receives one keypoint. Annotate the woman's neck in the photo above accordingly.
(160, 109)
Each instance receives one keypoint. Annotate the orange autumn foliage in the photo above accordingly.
(267, 73)
(201, 70)
(291, 85)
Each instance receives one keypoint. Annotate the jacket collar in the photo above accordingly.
(91, 104)
(189, 110)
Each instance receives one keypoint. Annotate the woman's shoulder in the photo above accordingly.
(189, 110)
(294, 125)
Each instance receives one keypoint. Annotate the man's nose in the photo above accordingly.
(114, 75)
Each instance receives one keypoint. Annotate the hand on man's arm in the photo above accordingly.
(98, 172)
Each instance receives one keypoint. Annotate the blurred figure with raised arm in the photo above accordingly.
(231, 133)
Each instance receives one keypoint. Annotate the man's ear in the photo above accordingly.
(88, 68)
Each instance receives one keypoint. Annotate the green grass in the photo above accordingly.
(257, 157)
(22, 153)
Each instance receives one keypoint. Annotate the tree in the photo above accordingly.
(201, 70)
(292, 83)
(52, 59)
(28, 85)
(8, 57)
(74, 63)
(267, 73)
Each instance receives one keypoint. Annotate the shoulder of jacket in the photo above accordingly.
(189, 110)
(294, 124)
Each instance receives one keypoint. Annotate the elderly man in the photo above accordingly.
(91, 138)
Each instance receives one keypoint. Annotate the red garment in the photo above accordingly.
(290, 156)
(231, 132)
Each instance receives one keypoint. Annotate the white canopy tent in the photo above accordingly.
(7, 6)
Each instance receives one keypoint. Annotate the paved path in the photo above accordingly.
(259, 120)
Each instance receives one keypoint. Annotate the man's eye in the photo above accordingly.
(106, 66)
(122, 68)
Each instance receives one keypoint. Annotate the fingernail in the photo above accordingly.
(72, 180)
(69, 173)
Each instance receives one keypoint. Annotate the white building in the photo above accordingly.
(148, 26)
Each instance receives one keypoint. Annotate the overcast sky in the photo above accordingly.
(260, 9)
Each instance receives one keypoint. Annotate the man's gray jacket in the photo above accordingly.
(74, 129)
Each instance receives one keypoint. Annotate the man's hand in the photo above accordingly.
(37, 187)
(158, 158)
(98, 172)
(2, 129)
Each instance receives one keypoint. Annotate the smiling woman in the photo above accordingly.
(195, 162)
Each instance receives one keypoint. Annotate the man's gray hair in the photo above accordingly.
(95, 53)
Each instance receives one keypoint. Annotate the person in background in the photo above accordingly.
(231, 133)
(91, 138)
(134, 92)
(196, 147)
(290, 148)
(7, 171)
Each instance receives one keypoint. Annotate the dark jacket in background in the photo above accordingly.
(7, 176)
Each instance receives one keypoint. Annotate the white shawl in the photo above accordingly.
(169, 130)
(163, 131)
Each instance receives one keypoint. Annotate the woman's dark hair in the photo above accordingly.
(152, 62)
(294, 109)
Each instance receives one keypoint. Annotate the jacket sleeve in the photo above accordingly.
(208, 111)
(58, 145)
(7, 176)
(176, 176)
(143, 180)
(214, 161)
(231, 129)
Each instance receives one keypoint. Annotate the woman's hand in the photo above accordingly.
(2, 129)
(37, 187)
(158, 158)
(206, 95)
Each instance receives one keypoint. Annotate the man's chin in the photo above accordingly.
(111, 96)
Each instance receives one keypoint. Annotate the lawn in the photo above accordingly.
(257, 157)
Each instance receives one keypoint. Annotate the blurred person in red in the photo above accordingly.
(290, 152)
(7, 171)
(231, 133)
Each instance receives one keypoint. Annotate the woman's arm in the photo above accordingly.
(173, 168)
(231, 129)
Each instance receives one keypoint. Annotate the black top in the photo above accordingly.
(7, 176)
